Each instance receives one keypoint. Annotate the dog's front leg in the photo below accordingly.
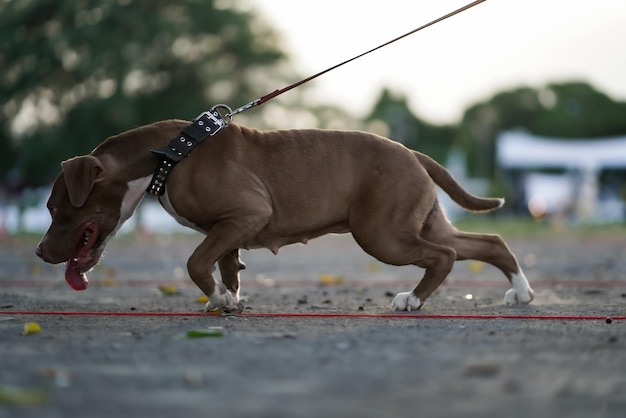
(201, 265)
(230, 266)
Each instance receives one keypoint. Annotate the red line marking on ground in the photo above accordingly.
(323, 315)
(103, 282)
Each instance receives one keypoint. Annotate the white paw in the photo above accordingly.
(406, 301)
(521, 291)
(224, 299)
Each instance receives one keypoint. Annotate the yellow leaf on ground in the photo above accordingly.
(328, 279)
(36, 269)
(168, 290)
(476, 266)
(14, 396)
(109, 282)
(31, 328)
(373, 266)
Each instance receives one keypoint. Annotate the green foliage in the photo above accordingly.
(403, 126)
(75, 72)
(579, 111)
(568, 110)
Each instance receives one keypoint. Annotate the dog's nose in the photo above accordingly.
(46, 254)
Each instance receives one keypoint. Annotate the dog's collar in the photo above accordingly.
(205, 125)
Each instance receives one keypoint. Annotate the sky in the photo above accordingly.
(497, 45)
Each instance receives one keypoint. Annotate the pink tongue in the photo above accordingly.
(76, 279)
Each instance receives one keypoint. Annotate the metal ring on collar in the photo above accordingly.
(227, 116)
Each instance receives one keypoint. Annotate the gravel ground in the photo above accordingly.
(274, 366)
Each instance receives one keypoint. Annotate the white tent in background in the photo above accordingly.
(582, 161)
(518, 149)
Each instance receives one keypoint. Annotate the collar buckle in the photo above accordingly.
(204, 125)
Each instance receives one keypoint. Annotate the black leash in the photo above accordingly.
(211, 122)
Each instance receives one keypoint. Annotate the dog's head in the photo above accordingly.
(88, 204)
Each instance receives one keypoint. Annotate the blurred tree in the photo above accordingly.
(75, 72)
(578, 110)
(568, 110)
(392, 117)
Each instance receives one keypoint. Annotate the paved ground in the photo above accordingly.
(103, 366)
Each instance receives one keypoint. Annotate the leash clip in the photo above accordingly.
(215, 118)
(243, 108)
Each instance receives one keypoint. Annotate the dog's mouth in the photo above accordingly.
(84, 258)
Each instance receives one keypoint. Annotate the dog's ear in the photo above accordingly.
(81, 173)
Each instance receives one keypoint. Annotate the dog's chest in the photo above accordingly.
(165, 202)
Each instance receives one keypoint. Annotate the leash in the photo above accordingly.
(278, 92)
(221, 115)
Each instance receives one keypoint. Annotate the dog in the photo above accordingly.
(244, 189)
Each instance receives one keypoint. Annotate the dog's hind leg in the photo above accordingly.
(436, 259)
(493, 250)
(488, 248)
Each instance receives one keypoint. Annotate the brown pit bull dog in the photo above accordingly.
(245, 188)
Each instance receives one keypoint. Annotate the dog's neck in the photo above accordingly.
(128, 160)
(128, 156)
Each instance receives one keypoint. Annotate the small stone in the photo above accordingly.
(484, 370)
(194, 378)
(342, 346)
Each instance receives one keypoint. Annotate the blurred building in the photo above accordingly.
(582, 180)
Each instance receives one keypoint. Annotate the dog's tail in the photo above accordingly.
(444, 179)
